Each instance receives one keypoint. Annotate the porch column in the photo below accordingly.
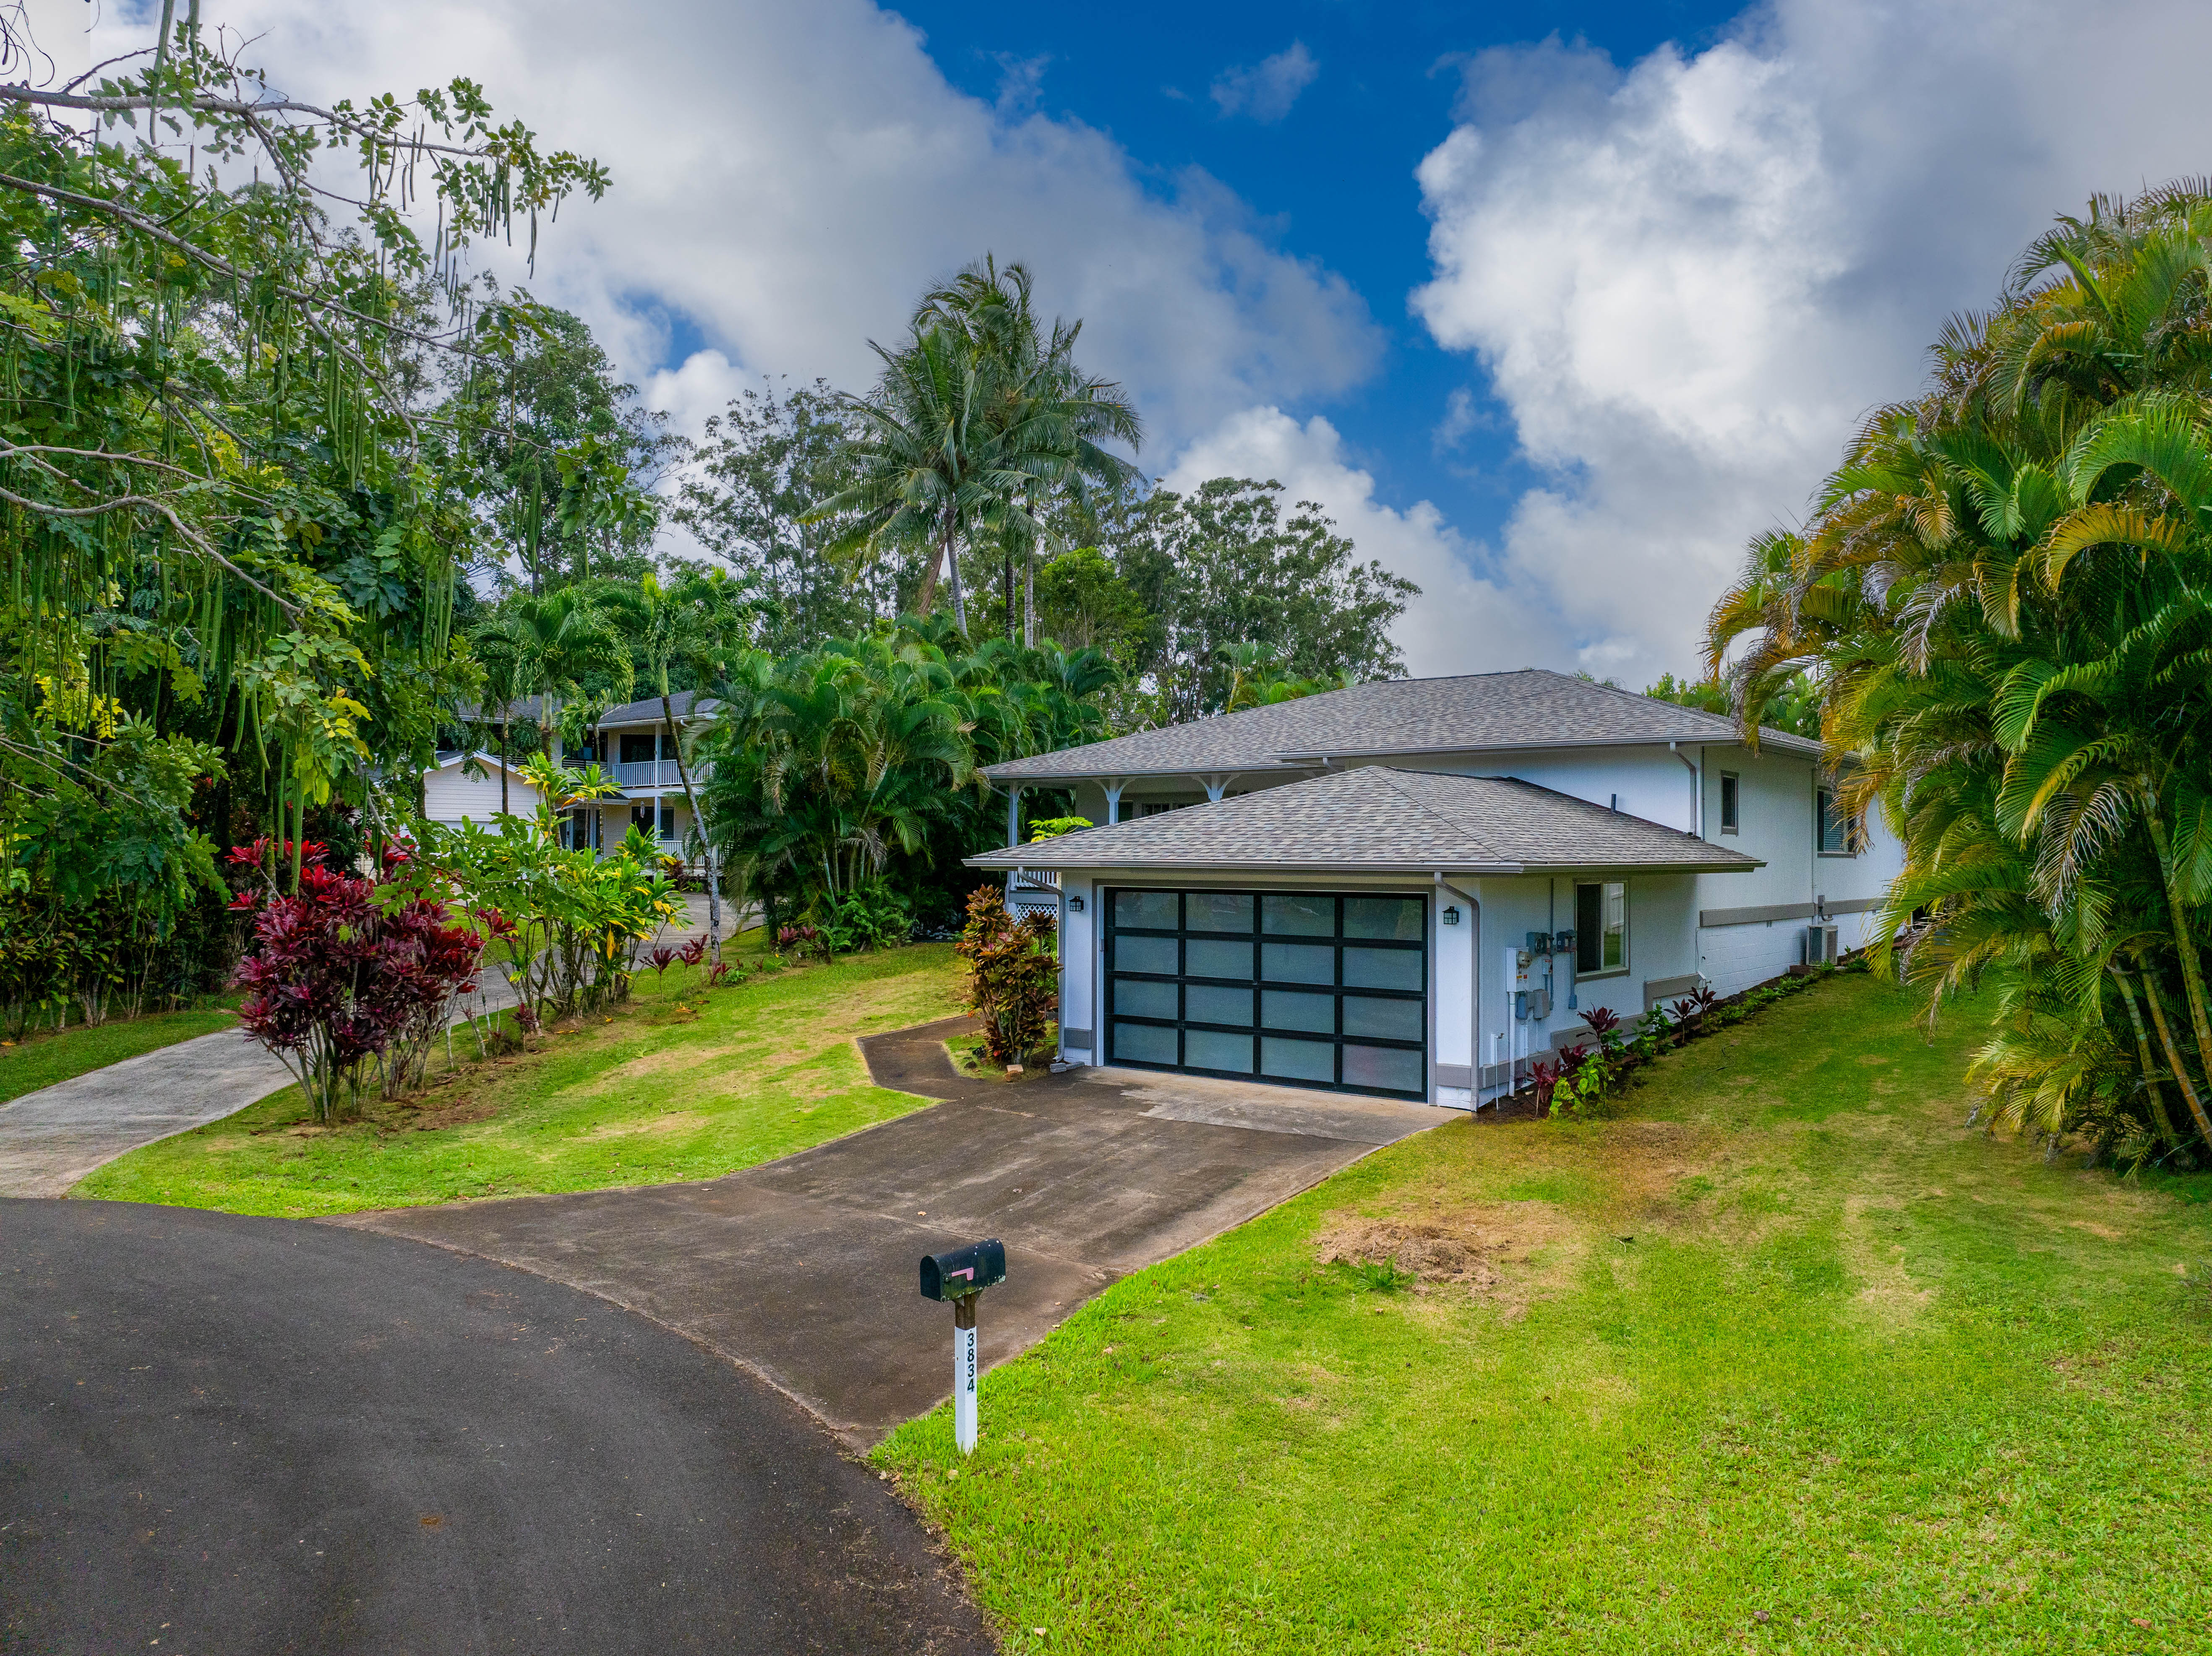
(1215, 785)
(1014, 814)
(1113, 784)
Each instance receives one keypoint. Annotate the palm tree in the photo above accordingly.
(548, 646)
(695, 624)
(1040, 406)
(973, 419)
(2004, 596)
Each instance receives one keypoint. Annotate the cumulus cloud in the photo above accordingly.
(1460, 622)
(1266, 90)
(788, 179)
(1688, 280)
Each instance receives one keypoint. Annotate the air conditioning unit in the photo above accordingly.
(1819, 945)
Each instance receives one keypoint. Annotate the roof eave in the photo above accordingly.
(1002, 862)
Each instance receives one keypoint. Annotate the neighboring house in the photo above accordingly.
(452, 796)
(630, 744)
(1416, 888)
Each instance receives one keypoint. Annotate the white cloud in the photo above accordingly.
(1687, 282)
(791, 178)
(1266, 90)
(1460, 622)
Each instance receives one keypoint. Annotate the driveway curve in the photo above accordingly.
(251, 1434)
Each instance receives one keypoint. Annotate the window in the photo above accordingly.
(638, 750)
(1730, 795)
(1600, 928)
(660, 822)
(1834, 833)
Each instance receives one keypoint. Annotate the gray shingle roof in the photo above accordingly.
(644, 712)
(1531, 708)
(1379, 819)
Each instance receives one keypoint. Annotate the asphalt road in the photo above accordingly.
(245, 1436)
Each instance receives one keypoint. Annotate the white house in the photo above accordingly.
(1415, 888)
(452, 796)
(630, 744)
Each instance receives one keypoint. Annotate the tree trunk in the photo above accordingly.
(1006, 584)
(2192, 970)
(683, 775)
(504, 710)
(2144, 1059)
(959, 597)
(927, 596)
(1029, 601)
(2173, 1059)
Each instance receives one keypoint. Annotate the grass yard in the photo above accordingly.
(1782, 1358)
(679, 1084)
(43, 1059)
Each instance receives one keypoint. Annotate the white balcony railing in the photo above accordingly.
(649, 774)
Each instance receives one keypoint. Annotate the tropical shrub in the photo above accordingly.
(341, 974)
(567, 926)
(1014, 976)
(873, 917)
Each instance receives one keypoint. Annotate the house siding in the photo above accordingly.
(450, 797)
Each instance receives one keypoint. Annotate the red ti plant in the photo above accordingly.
(693, 952)
(662, 958)
(340, 970)
(1546, 1075)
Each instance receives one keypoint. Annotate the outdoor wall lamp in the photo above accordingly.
(1451, 915)
(1075, 905)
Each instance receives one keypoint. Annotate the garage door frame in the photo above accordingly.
(1366, 1058)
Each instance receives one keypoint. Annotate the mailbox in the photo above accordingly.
(964, 1270)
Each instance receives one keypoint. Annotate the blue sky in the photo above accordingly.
(1652, 264)
(1333, 175)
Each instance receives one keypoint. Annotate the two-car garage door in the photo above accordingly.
(1317, 989)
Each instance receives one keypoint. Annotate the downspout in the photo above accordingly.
(1697, 788)
(1473, 987)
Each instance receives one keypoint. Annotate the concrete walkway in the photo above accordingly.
(51, 1138)
(802, 1271)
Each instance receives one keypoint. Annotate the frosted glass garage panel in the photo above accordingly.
(1296, 1009)
(1146, 955)
(1386, 1019)
(1397, 919)
(1137, 999)
(1217, 911)
(1213, 957)
(1382, 968)
(1210, 1049)
(1298, 1060)
(1144, 1043)
(1298, 962)
(1383, 1069)
(1153, 909)
(1297, 915)
(1205, 1003)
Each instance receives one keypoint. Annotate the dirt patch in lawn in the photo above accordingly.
(1509, 1250)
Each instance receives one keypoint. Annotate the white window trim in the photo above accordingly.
(1728, 777)
(1627, 949)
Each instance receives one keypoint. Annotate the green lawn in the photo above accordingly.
(44, 1059)
(1782, 1358)
(679, 1084)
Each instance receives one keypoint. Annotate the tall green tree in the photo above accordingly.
(2002, 598)
(223, 527)
(701, 623)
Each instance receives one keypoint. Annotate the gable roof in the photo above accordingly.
(1479, 712)
(1377, 819)
(644, 712)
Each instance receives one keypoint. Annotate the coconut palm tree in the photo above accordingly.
(972, 420)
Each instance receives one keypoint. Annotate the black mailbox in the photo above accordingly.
(964, 1270)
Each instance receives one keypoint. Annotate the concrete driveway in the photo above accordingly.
(229, 1434)
(804, 1271)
